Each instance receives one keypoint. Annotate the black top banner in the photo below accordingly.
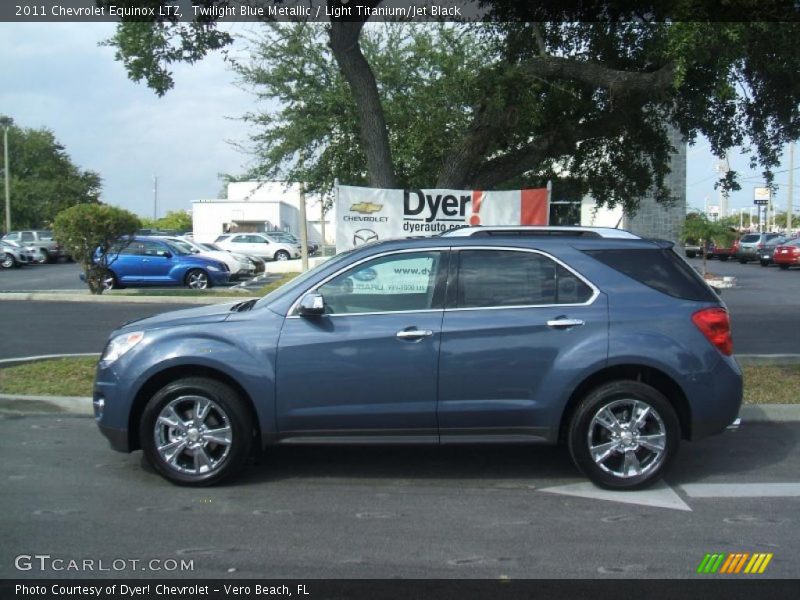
(395, 10)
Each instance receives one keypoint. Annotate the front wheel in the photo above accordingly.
(9, 262)
(282, 255)
(624, 435)
(197, 280)
(196, 431)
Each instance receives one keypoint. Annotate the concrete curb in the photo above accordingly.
(82, 405)
(72, 405)
(768, 359)
(79, 297)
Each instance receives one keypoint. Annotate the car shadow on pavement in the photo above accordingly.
(756, 452)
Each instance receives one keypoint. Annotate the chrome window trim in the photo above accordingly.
(292, 314)
(593, 287)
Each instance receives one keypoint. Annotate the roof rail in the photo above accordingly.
(541, 230)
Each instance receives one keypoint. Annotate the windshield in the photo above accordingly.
(180, 248)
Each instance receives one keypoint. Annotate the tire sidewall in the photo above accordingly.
(604, 395)
(238, 417)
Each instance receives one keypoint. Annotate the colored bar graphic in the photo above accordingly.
(734, 562)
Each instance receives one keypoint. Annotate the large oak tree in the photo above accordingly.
(544, 98)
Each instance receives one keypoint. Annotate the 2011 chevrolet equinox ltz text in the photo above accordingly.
(596, 338)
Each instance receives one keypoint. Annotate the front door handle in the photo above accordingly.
(413, 334)
(563, 323)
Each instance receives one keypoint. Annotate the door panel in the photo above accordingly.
(502, 363)
(368, 367)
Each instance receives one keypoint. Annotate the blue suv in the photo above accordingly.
(608, 343)
(152, 261)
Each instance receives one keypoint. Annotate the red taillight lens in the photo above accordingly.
(716, 326)
(736, 246)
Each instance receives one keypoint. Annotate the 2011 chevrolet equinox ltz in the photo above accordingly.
(607, 342)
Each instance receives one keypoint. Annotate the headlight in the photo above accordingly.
(120, 345)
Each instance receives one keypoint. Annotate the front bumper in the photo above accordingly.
(219, 277)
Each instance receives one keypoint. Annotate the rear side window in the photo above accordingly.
(494, 278)
(660, 269)
(750, 238)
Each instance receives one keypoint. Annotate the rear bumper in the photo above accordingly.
(118, 438)
(717, 405)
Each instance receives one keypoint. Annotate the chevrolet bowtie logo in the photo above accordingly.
(366, 208)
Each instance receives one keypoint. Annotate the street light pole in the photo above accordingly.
(7, 177)
(303, 218)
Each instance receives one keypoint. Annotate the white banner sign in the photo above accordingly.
(366, 215)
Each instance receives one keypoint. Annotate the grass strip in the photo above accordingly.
(763, 384)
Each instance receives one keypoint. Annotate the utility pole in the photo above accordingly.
(791, 185)
(8, 176)
(155, 198)
(303, 219)
(723, 166)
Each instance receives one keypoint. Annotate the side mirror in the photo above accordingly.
(311, 305)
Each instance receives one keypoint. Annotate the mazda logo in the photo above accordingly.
(364, 236)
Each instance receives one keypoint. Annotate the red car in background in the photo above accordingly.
(787, 254)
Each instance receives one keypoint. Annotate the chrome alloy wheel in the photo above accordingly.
(627, 438)
(193, 435)
(108, 282)
(197, 280)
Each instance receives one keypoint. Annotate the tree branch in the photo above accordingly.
(620, 84)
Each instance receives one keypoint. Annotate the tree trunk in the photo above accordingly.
(343, 40)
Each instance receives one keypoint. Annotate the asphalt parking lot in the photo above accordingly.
(451, 512)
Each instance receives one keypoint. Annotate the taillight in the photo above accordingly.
(716, 326)
(736, 246)
(759, 246)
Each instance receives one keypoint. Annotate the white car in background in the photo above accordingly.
(239, 266)
(259, 245)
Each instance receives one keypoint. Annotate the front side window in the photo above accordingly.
(497, 278)
(398, 282)
(154, 249)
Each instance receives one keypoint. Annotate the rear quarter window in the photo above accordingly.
(658, 268)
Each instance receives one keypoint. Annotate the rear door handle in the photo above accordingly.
(562, 323)
(413, 334)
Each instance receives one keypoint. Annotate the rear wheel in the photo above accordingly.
(742, 261)
(723, 257)
(624, 435)
(196, 431)
(197, 279)
(784, 267)
(282, 255)
(764, 263)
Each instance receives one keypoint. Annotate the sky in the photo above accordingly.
(55, 75)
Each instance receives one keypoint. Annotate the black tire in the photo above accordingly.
(764, 263)
(228, 410)
(9, 261)
(282, 255)
(690, 254)
(742, 261)
(723, 257)
(784, 267)
(110, 281)
(661, 420)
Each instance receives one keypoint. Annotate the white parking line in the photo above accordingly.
(659, 495)
(742, 490)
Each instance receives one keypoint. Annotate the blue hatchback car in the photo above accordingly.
(610, 344)
(150, 261)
